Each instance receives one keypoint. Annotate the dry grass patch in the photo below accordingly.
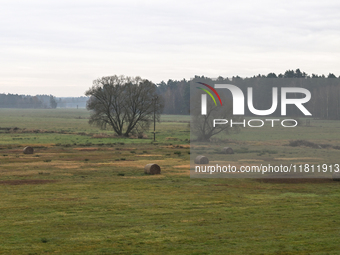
(149, 155)
(14, 151)
(87, 149)
(67, 165)
(55, 163)
(251, 160)
(186, 146)
(182, 172)
(179, 146)
(137, 163)
(308, 158)
(183, 166)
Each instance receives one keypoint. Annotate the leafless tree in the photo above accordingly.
(126, 104)
(202, 125)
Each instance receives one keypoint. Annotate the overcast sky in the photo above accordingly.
(60, 47)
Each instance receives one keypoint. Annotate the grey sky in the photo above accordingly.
(60, 47)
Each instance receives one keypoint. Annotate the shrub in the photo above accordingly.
(44, 240)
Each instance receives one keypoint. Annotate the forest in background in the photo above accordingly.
(26, 101)
(325, 102)
(41, 101)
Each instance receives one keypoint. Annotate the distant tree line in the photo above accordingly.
(41, 101)
(25, 101)
(324, 104)
(72, 102)
(176, 96)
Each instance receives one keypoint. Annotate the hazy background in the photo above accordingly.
(60, 47)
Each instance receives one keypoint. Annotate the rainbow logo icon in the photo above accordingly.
(204, 97)
(213, 90)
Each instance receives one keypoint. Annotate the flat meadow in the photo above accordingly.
(84, 190)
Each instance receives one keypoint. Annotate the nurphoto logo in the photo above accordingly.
(238, 105)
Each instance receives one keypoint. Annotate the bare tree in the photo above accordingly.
(202, 125)
(126, 104)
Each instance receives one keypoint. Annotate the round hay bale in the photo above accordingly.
(28, 150)
(201, 160)
(336, 177)
(228, 150)
(152, 169)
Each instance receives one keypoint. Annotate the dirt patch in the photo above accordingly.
(172, 139)
(22, 182)
(309, 144)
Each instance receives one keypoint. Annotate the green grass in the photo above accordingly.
(70, 126)
(85, 199)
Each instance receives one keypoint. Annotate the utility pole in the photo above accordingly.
(154, 118)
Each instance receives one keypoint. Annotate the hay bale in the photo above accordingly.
(228, 150)
(201, 160)
(336, 176)
(152, 169)
(28, 150)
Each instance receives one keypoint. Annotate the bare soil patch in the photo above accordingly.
(22, 182)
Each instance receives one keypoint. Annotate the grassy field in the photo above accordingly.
(84, 191)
